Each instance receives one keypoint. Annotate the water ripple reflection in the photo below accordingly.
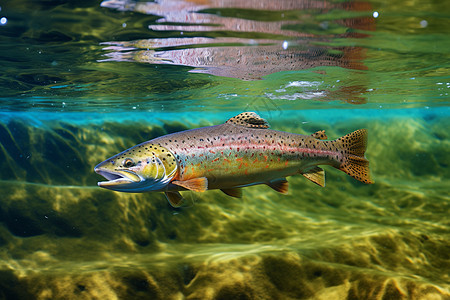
(246, 40)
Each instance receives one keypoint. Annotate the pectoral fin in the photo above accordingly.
(316, 175)
(175, 199)
(280, 185)
(236, 192)
(196, 184)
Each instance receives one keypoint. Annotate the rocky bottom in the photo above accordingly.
(269, 276)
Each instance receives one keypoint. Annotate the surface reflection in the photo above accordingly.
(246, 39)
(249, 61)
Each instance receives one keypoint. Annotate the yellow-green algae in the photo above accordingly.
(62, 237)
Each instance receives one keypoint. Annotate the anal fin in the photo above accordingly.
(233, 192)
(196, 184)
(175, 199)
(280, 185)
(316, 175)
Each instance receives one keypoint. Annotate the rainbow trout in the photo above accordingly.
(241, 152)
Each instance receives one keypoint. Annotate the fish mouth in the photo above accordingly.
(117, 177)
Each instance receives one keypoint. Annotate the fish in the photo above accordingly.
(241, 152)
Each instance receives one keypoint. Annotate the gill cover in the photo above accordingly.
(158, 168)
(145, 167)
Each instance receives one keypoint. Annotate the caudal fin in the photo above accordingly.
(354, 163)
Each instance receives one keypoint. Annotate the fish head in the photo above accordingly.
(142, 168)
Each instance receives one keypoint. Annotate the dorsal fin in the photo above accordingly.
(320, 135)
(249, 119)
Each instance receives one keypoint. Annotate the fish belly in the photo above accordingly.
(231, 167)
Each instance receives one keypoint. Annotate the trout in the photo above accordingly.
(238, 153)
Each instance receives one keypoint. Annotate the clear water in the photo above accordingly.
(83, 80)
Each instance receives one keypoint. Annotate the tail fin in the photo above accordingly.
(355, 164)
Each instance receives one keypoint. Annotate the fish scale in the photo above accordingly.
(238, 153)
(244, 152)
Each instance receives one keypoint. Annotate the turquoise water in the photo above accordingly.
(83, 80)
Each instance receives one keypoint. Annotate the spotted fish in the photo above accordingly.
(239, 153)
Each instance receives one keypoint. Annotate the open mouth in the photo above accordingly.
(117, 177)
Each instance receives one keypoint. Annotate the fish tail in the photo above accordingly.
(354, 163)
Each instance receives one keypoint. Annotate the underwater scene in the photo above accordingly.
(82, 81)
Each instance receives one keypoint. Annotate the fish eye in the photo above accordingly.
(128, 162)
